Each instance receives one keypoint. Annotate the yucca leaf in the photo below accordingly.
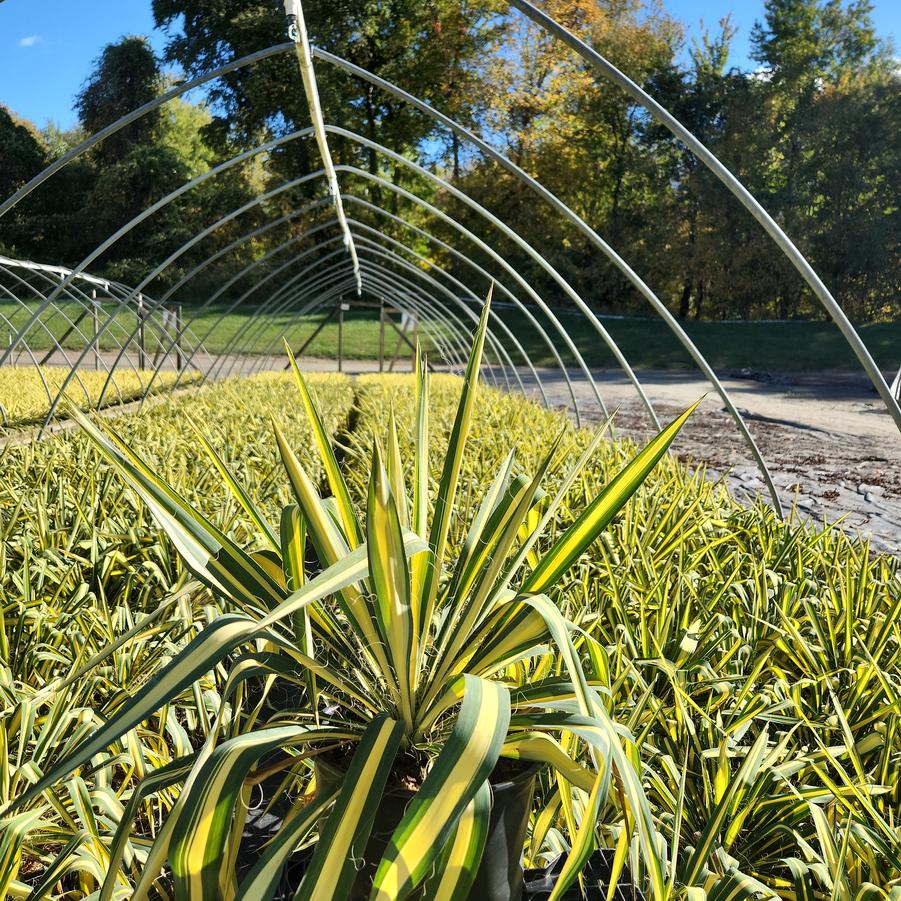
(263, 879)
(390, 580)
(343, 838)
(395, 467)
(352, 531)
(539, 747)
(450, 475)
(509, 632)
(738, 785)
(205, 549)
(212, 645)
(458, 772)
(458, 865)
(583, 841)
(331, 546)
(598, 514)
(420, 511)
(199, 841)
(496, 493)
(293, 541)
(544, 821)
(737, 886)
(237, 489)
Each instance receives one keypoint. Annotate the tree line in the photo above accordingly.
(810, 127)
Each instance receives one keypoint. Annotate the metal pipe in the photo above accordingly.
(744, 196)
(454, 281)
(308, 289)
(571, 216)
(294, 10)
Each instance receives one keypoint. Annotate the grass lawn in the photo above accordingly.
(771, 346)
(647, 343)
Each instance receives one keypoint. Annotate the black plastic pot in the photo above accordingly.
(596, 875)
(500, 876)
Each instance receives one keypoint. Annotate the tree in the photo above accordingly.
(577, 135)
(817, 57)
(126, 75)
(22, 152)
(144, 162)
(22, 156)
(430, 48)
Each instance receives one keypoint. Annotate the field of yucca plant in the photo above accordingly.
(24, 389)
(751, 667)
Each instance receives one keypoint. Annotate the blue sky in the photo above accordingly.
(47, 46)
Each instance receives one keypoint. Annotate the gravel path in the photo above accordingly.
(832, 449)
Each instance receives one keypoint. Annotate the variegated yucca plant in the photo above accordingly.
(390, 643)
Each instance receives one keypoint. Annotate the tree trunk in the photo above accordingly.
(685, 300)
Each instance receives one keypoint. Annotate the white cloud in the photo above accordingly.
(30, 41)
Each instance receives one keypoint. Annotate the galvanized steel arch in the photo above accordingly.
(382, 277)
(324, 281)
(454, 358)
(736, 188)
(572, 217)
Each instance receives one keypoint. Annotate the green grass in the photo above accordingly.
(361, 332)
(768, 346)
(647, 343)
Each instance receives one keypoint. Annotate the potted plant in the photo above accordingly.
(404, 671)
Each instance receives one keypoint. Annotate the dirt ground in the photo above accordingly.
(831, 448)
(833, 451)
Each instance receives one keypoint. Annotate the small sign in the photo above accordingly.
(345, 307)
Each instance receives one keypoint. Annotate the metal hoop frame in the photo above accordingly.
(387, 271)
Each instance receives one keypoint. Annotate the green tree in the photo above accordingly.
(575, 134)
(816, 58)
(22, 152)
(431, 49)
(126, 75)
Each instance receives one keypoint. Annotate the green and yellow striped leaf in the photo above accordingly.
(598, 514)
(237, 489)
(206, 550)
(458, 865)
(450, 475)
(539, 747)
(353, 534)
(293, 540)
(343, 838)
(396, 471)
(390, 580)
(203, 831)
(420, 511)
(263, 879)
(461, 767)
(584, 841)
